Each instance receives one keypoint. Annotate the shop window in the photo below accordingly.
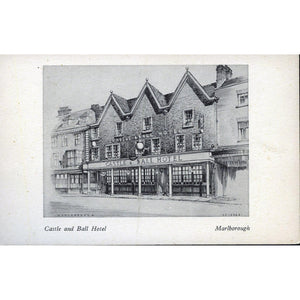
(188, 118)
(155, 146)
(75, 180)
(77, 139)
(197, 141)
(242, 99)
(135, 175)
(119, 128)
(120, 176)
(180, 143)
(108, 176)
(61, 181)
(187, 174)
(112, 151)
(148, 176)
(243, 130)
(147, 124)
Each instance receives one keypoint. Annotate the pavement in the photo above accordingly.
(143, 206)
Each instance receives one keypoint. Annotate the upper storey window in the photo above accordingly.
(242, 98)
(243, 128)
(119, 128)
(77, 139)
(54, 141)
(112, 151)
(180, 143)
(188, 118)
(155, 146)
(94, 133)
(197, 141)
(147, 124)
(64, 141)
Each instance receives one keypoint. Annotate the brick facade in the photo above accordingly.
(165, 126)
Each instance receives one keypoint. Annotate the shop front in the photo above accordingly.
(188, 174)
(68, 180)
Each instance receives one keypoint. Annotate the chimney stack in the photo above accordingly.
(63, 111)
(223, 73)
(97, 109)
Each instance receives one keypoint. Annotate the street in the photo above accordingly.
(96, 206)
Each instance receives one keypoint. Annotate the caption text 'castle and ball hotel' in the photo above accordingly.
(193, 141)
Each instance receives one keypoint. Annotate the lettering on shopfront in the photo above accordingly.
(164, 159)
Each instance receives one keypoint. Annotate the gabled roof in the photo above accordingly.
(160, 102)
(123, 103)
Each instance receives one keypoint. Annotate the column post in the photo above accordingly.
(89, 181)
(207, 179)
(170, 180)
(112, 182)
(140, 181)
(68, 182)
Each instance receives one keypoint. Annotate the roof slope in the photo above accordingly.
(76, 119)
(234, 81)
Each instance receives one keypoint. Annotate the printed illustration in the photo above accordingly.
(146, 141)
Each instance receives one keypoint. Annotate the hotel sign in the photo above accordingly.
(151, 161)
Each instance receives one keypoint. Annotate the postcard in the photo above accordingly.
(150, 150)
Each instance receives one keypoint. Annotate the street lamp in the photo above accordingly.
(140, 146)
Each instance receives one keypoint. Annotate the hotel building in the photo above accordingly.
(192, 141)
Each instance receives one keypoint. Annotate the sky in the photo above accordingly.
(80, 86)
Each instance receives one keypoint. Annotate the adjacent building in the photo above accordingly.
(192, 141)
(68, 146)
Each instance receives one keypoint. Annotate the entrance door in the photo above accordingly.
(162, 181)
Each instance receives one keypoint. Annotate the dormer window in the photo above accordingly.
(188, 118)
(119, 128)
(147, 124)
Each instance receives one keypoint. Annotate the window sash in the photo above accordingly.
(147, 124)
(197, 141)
(95, 153)
(119, 128)
(64, 141)
(180, 143)
(77, 139)
(155, 145)
(243, 128)
(243, 98)
(188, 118)
(112, 151)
